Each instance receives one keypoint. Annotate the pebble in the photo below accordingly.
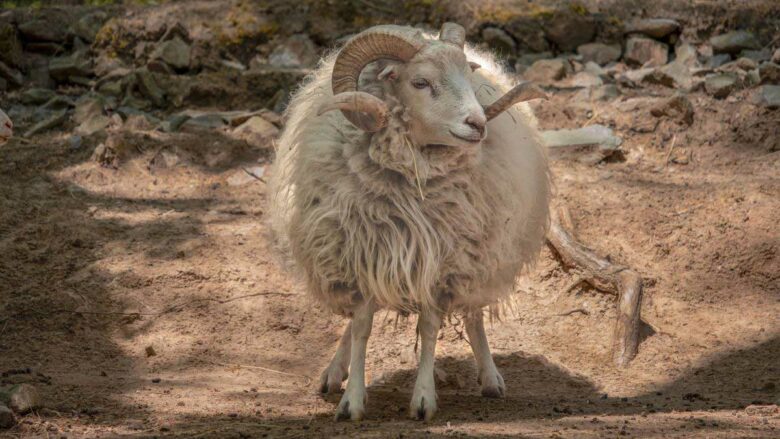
(600, 53)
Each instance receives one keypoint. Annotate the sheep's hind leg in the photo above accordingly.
(353, 402)
(423, 405)
(492, 382)
(337, 370)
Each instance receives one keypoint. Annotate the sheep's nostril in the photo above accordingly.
(480, 128)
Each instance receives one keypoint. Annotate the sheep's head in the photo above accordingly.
(430, 78)
(6, 128)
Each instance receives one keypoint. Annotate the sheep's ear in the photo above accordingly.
(388, 73)
(474, 66)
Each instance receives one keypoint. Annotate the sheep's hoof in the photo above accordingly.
(493, 386)
(422, 409)
(331, 379)
(347, 411)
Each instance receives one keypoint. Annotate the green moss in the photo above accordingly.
(578, 8)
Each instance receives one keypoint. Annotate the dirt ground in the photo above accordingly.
(145, 300)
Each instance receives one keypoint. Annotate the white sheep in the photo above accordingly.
(6, 128)
(407, 198)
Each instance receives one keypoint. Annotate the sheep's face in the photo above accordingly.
(435, 89)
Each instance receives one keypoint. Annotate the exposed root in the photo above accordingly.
(607, 277)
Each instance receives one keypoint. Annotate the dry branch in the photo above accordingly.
(608, 277)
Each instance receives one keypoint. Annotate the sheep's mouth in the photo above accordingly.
(469, 139)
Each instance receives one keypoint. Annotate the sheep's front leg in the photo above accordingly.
(491, 381)
(353, 402)
(336, 372)
(423, 405)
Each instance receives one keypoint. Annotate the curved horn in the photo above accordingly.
(524, 91)
(453, 33)
(356, 103)
(389, 41)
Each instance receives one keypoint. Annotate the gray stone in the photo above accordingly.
(149, 88)
(767, 96)
(111, 88)
(56, 119)
(36, 96)
(174, 52)
(298, 51)
(570, 30)
(721, 85)
(546, 71)
(528, 59)
(590, 144)
(528, 33)
(686, 54)
(600, 53)
(769, 73)
(634, 78)
(207, 121)
(646, 52)
(10, 74)
(776, 56)
(40, 29)
(654, 27)
(257, 132)
(173, 123)
(719, 60)
(58, 102)
(606, 92)
(88, 26)
(10, 46)
(734, 42)
(24, 398)
(758, 56)
(73, 65)
(7, 419)
(498, 40)
(675, 74)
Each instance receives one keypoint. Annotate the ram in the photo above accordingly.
(427, 192)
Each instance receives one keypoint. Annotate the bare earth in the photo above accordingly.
(146, 300)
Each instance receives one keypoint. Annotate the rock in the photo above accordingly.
(149, 88)
(10, 74)
(634, 78)
(173, 123)
(41, 29)
(36, 96)
(769, 73)
(529, 58)
(606, 92)
(74, 142)
(7, 419)
(52, 121)
(675, 74)
(718, 60)
(271, 82)
(654, 27)
(246, 176)
(528, 34)
(206, 121)
(93, 125)
(88, 26)
(589, 145)
(546, 71)
(298, 51)
(235, 65)
(10, 46)
(762, 410)
(174, 52)
(58, 102)
(721, 85)
(583, 80)
(767, 96)
(498, 40)
(63, 68)
(23, 398)
(776, 56)
(569, 30)
(687, 55)
(758, 56)
(734, 42)
(257, 132)
(676, 107)
(646, 52)
(111, 88)
(746, 64)
(600, 53)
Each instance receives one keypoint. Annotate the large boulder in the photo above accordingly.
(654, 27)
(734, 42)
(600, 53)
(646, 52)
(570, 30)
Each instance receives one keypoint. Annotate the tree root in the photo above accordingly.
(605, 276)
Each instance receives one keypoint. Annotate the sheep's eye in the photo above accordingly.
(421, 83)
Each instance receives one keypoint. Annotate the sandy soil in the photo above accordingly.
(146, 302)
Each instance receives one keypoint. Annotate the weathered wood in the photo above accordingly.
(607, 277)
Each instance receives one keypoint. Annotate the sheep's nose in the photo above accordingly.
(478, 123)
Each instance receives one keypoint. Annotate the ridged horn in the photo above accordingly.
(524, 91)
(392, 42)
(453, 33)
(358, 104)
